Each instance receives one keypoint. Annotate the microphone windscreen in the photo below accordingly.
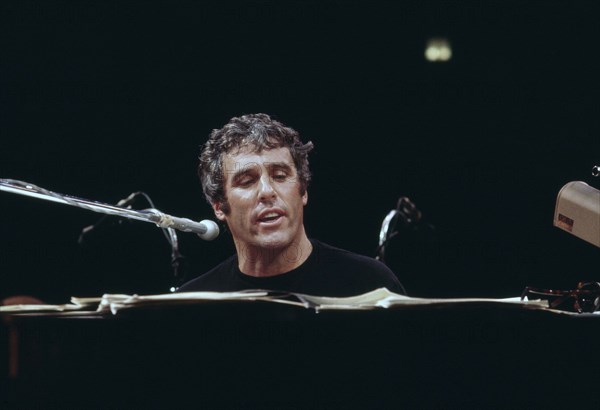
(212, 230)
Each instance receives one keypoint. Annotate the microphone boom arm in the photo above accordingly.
(152, 215)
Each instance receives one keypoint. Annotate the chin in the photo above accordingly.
(275, 240)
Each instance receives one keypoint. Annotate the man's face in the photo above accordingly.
(263, 193)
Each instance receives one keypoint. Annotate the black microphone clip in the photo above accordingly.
(125, 202)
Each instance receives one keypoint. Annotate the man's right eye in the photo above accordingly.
(245, 181)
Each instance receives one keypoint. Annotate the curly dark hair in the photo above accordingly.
(257, 131)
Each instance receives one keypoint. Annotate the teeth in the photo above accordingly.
(269, 216)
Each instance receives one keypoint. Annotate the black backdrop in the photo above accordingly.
(100, 99)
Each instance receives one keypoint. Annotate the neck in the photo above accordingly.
(272, 261)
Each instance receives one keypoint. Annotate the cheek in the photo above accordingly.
(242, 197)
(241, 205)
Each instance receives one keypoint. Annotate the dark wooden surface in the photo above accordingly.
(257, 355)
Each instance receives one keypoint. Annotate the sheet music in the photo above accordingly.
(380, 298)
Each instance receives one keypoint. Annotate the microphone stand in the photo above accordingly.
(153, 215)
(27, 189)
(123, 202)
(178, 261)
(407, 212)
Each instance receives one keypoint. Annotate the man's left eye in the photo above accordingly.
(279, 177)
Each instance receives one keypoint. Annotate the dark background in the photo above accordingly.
(100, 99)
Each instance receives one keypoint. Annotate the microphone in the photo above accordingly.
(206, 229)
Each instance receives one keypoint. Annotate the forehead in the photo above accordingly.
(247, 158)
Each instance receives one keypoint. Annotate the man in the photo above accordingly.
(255, 175)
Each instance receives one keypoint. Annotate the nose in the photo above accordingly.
(266, 191)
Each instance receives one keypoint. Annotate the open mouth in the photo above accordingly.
(269, 218)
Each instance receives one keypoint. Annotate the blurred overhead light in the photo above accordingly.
(438, 50)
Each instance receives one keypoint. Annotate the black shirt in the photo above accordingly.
(328, 271)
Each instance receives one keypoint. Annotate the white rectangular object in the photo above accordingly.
(578, 211)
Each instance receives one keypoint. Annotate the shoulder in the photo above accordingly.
(327, 253)
(214, 280)
(356, 267)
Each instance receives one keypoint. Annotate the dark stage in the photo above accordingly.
(101, 99)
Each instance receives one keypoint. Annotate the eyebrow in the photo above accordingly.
(278, 165)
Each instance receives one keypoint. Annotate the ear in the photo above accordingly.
(305, 197)
(218, 211)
